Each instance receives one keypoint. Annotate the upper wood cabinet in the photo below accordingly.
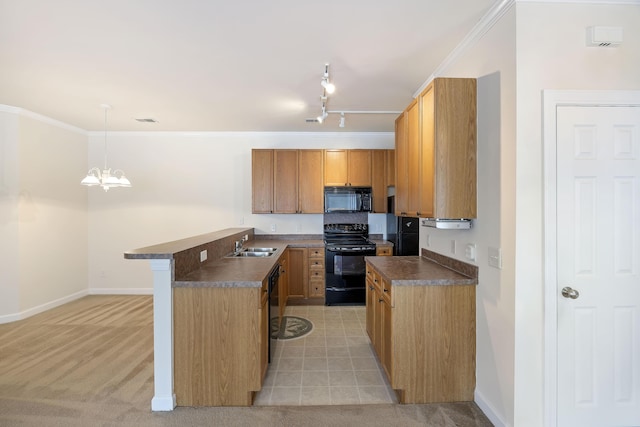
(262, 181)
(391, 167)
(436, 152)
(310, 181)
(402, 159)
(379, 181)
(287, 181)
(448, 144)
(347, 167)
(292, 181)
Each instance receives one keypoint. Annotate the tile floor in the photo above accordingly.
(333, 365)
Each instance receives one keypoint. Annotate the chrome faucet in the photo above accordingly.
(238, 245)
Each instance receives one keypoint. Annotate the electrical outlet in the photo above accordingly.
(453, 246)
(273, 227)
(203, 255)
(470, 251)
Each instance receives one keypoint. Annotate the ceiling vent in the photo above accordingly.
(146, 120)
(604, 36)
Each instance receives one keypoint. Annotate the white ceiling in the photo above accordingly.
(212, 65)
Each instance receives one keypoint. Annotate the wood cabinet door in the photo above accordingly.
(391, 167)
(283, 282)
(335, 167)
(297, 273)
(455, 148)
(370, 310)
(379, 181)
(402, 161)
(413, 159)
(261, 181)
(264, 336)
(310, 181)
(427, 148)
(285, 181)
(359, 168)
(386, 336)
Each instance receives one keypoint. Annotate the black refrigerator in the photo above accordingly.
(402, 231)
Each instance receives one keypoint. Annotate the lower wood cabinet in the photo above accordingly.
(424, 337)
(220, 344)
(384, 250)
(316, 272)
(297, 273)
(306, 275)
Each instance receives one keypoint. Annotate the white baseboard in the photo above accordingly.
(42, 308)
(120, 291)
(488, 410)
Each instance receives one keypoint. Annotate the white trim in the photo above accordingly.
(120, 291)
(39, 117)
(41, 308)
(494, 14)
(605, 2)
(164, 398)
(488, 410)
(226, 134)
(551, 100)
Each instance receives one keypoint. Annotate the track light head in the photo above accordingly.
(329, 87)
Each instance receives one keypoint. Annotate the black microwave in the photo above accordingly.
(347, 199)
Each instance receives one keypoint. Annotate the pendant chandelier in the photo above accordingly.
(103, 177)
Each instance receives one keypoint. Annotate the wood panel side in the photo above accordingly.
(434, 343)
(216, 346)
(455, 156)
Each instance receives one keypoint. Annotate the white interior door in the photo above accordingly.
(598, 258)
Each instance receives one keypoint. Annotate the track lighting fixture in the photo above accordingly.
(328, 89)
(325, 83)
(324, 114)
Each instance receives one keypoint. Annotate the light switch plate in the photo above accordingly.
(203, 255)
(495, 257)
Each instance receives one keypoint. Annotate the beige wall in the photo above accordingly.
(552, 55)
(533, 47)
(186, 184)
(44, 214)
(9, 237)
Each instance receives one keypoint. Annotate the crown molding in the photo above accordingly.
(39, 117)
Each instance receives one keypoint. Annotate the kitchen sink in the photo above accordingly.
(247, 253)
(260, 249)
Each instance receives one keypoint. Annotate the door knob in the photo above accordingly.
(568, 292)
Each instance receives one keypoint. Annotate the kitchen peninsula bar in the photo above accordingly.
(183, 279)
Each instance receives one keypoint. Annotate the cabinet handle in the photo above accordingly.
(384, 290)
(380, 300)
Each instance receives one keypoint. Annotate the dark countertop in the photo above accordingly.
(423, 271)
(168, 249)
(229, 271)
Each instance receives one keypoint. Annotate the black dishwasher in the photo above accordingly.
(274, 310)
